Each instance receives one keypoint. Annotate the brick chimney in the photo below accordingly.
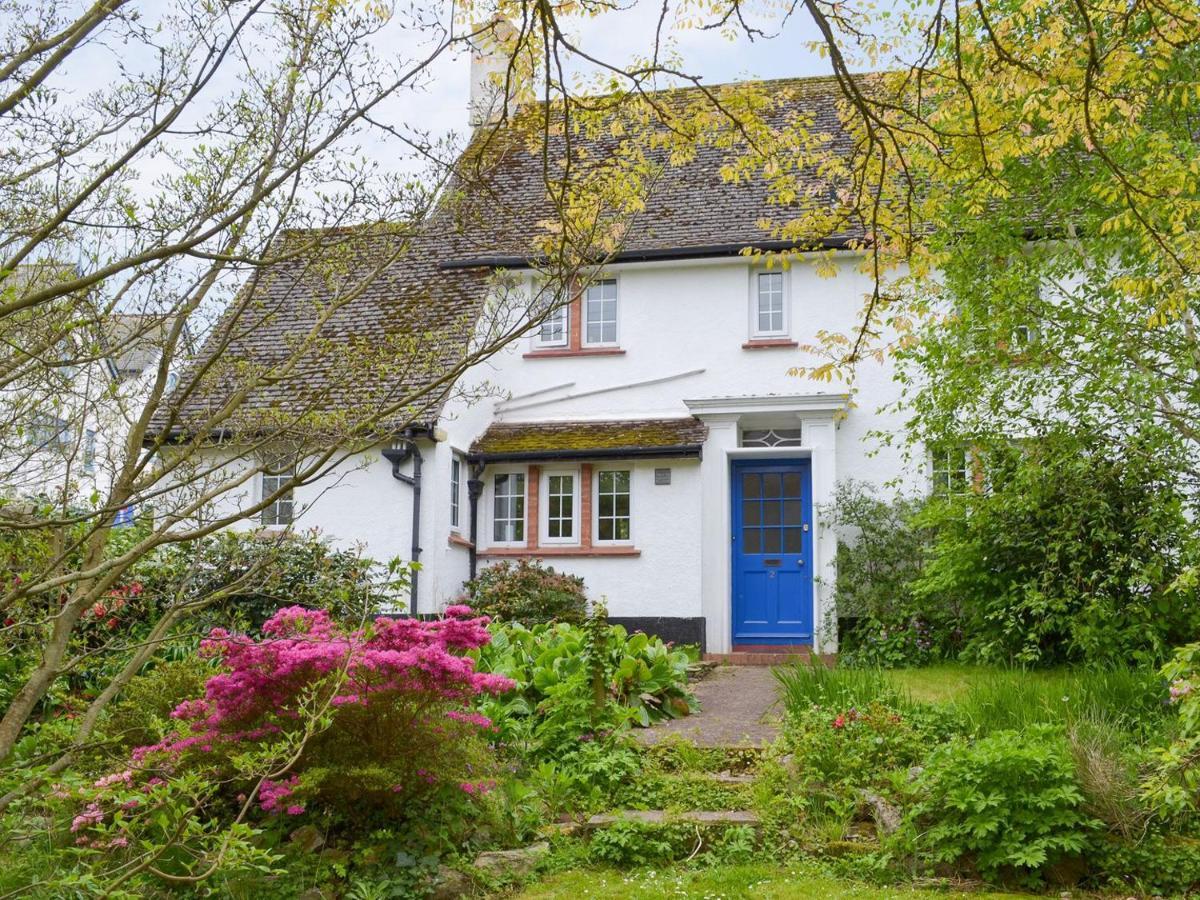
(490, 52)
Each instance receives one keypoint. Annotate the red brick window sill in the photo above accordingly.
(765, 343)
(457, 540)
(568, 351)
(543, 552)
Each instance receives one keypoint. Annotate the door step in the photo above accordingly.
(761, 657)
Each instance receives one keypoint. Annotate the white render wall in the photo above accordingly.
(681, 327)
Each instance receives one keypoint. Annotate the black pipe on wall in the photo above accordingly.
(397, 456)
(474, 492)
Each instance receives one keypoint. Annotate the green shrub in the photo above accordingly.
(881, 549)
(1072, 554)
(853, 746)
(1175, 784)
(528, 592)
(142, 715)
(1154, 864)
(1008, 803)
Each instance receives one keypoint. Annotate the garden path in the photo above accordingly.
(739, 707)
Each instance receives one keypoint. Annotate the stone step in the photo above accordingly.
(728, 778)
(767, 658)
(661, 817)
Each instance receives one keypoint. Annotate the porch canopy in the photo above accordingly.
(623, 439)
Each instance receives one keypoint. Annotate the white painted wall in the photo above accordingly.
(682, 326)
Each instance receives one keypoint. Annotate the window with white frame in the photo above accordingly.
(49, 432)
(455, 489)
(613, 494)
(768, 312)
(508, 508)
(279, 512)
(600, 312)
(952, 470)
(555, 328)
(561, 507)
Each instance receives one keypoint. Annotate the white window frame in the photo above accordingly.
(563, 311)
(544, 507)
(611, 542)
(583, 311)
(491, 505)
(785, 286)
(940, 475)
(456, 470)
(269, 515)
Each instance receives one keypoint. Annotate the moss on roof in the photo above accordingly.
(525, 437)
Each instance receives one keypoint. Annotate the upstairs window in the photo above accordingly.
(600, 312)
(279, 512)
(89, 451)
(508, 508)
(48, 432)
(555, 328)
(613, 517)
(768, 312)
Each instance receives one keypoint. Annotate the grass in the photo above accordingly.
(768, 882)
(989, 698)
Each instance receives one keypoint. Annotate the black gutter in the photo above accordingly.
(397, 456)
(678, 451)
(700, 251)
(474, 492)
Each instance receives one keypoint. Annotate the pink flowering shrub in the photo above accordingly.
(396, 696)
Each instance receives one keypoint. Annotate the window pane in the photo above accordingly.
(622, 506)
(751, 510)
(791, 512)
(791, 484)
(772, 484)
(750, 540)
(792, 540)
(770, 540)
(606, 505)
(751, 485)
(605, 531)
(771, 512)
(622, 529)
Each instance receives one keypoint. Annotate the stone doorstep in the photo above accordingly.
(661, 817)
(764, 658)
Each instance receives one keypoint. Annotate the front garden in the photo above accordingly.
(1036, 727)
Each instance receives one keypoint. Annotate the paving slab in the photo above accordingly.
(739, 707)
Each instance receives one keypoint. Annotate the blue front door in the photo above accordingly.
(772, 552)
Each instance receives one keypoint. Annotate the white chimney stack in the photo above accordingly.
(491, 50)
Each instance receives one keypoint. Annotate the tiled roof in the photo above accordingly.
(691, 204)
(392, 334)
(403, 332)
(517, 439)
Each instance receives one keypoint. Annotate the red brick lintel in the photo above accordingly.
(543, 551)
(558, 353)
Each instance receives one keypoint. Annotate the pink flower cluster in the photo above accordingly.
(300, 646)
(272, 794)
(473, 788)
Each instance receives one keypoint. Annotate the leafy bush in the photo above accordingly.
(643, 678)
(1153, 864)
(881, 550)
(528, 592)
(351, 722)
(1071, 555)
(854, 746)
(250, 576)
(142, 715)
(1175, 784)
(1008, 803)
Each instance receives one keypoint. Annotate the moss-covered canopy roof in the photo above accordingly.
(643, 437)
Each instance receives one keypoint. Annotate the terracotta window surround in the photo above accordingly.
(584, 548)
(769, 343)
(574, 338)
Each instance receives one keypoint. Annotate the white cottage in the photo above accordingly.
(648, 436)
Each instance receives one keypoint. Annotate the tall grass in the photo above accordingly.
(1131, 700)
(814, 684)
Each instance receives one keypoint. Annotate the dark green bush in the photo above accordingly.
(881, 550)
(1070, 555)
(1154, 864)
(1009, 804)
(528, 592)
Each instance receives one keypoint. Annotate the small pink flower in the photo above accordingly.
(294, 810)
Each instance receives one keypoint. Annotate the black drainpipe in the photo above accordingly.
(398, 456)
(474, 492)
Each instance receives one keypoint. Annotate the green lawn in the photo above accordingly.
(941, 683)
(759, 881)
